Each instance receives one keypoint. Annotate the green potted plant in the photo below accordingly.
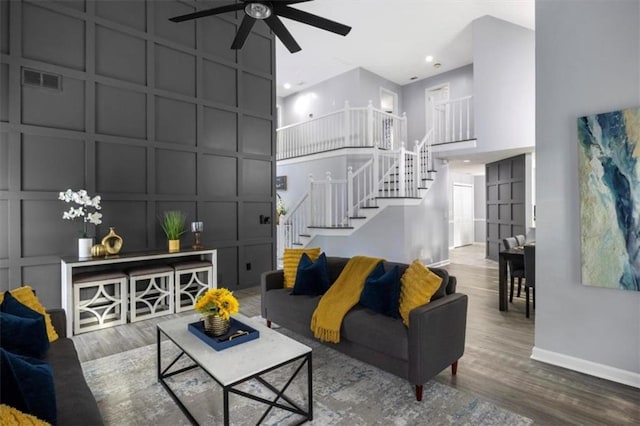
(173, 226)
(281, 209)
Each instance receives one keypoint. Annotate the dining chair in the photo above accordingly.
(520, 239)
(516, 266)
(530, 273)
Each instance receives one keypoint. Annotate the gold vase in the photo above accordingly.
(112, 242)
(215, 325)
(174, 246)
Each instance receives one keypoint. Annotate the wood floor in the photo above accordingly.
(496, 365)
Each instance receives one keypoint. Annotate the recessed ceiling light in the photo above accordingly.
(287, 85)
(415, 77)
(466, 161)
(429, 58)
(437, 65)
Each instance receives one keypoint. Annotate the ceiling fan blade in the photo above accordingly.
(208, 12)
(311, 19)
(282, 33)
(243, 32)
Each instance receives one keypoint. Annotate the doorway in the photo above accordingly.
(431, 96)
(463, 225)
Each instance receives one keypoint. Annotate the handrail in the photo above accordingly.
(393, 170)
(452, 119)
(347, 127)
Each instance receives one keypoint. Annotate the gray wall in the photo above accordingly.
(358, 86)
(480, 208)
(152, 116)
(460, 84)
(587, 62)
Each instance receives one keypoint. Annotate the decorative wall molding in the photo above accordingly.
(588, 367)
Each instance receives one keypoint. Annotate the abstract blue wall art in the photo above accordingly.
(609, 174)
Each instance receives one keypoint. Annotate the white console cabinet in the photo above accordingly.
(71, 267)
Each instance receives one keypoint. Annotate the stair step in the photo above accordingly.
(304, 235)
(396, 198)
(358, 217)
(297, 244)
(432, 171)
(370, 207)
(330, 227)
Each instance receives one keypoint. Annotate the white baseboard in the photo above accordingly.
(588, 367)
(439, 264)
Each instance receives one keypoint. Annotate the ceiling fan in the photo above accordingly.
(268, 11)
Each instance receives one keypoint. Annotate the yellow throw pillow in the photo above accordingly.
(292, 258)
(27, 297)
(418, 285)
(12, 416)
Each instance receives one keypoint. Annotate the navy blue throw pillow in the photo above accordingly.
(312, 278)
(22, 330)
(381, 292)
(27, 385)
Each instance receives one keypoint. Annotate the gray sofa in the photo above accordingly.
(75, 403)
(433, 341)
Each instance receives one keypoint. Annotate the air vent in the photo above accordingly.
(41, 79)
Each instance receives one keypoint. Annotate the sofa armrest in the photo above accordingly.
(436, 336)
(270, 280)
(451, 285)
(59, 321)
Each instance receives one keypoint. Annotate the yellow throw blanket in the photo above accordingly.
(340, 298)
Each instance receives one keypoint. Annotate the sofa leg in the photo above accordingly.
(269, 323)
(454, 368)
(418, 392)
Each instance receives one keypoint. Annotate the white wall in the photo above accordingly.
(587, 61)
(401, 234)
(504, 85)
(358, 86)
(297, 174)
(460, 84)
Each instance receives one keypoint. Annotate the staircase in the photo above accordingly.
(394, 175)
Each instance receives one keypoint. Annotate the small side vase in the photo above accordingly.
(84, 248)
(215, 325)
(174, 246)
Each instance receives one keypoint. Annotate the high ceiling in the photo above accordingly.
(389, 37)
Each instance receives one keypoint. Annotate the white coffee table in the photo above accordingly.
(270, 351)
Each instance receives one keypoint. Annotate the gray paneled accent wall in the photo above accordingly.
(506, 182)
(151, 115)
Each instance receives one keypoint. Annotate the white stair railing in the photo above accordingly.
(328, 202)
(453, 119)
(344, 128)
(393, 170)
(296, 222)
(360, 189)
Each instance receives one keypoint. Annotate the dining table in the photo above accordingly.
(503, 260)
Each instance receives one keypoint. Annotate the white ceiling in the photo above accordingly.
(389, 37)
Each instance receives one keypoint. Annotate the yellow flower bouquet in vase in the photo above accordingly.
(216, 307)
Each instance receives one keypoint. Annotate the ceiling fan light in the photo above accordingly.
(258, 10)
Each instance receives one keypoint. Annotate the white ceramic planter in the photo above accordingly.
(84, 247)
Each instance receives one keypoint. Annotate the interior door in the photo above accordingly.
(462, 214)
(433, 95)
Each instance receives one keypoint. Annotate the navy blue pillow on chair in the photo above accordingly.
(22, 330)
(27, 385)
(312, 278)
(381, 292)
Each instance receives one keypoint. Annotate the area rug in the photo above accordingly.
(345, 391)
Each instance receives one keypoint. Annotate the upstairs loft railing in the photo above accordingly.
(345, 128)
(393, 170)
(453, 120)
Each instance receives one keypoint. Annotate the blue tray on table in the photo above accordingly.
(222, 342)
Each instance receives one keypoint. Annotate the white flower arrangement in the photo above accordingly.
(85, 202)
